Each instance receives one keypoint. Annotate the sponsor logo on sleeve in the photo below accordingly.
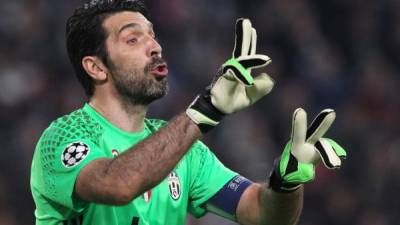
(236, 182)
(74, 154)
(174, 185)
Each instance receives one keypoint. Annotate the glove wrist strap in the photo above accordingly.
(203, 113)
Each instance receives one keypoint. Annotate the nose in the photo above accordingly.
(156, 48)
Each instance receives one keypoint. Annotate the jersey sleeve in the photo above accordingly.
(208, 176)
(56, 167)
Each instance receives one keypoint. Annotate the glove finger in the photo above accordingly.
(253, 41)
(263, 84)
(254, 61)
(242, 38)
(340, 151)
(238, 38)
(253, 44)
(328, 154)
(299, 128)
(320, 125)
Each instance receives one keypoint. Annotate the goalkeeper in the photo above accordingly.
(107, 164)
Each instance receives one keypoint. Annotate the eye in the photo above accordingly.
(132, 40)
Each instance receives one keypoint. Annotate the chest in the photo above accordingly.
(164, 204)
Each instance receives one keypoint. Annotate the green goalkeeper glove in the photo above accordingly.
(305, 150)
(233, 88)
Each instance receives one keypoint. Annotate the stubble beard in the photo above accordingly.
(139, 87)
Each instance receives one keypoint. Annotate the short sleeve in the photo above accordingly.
(55, 169)
(208, 176)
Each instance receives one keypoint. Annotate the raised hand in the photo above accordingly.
(233, 88)
(305, 150)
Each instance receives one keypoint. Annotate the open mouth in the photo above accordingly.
(160, 70)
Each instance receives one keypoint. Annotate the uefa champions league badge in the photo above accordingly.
(74, 154)
(174, 185)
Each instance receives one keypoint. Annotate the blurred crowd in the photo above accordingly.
(340, 54)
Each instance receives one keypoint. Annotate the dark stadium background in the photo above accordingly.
(342, 54)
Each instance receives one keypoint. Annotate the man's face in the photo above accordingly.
(135, 64)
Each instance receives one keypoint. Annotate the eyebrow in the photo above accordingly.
(134, 26)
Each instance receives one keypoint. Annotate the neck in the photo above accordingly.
(124, 115)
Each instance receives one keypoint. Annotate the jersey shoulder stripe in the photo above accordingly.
(74, 126)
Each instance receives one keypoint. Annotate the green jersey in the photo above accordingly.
(74, 140)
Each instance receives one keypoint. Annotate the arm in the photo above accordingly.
(119, 180)
(255, 203)
(261, 205)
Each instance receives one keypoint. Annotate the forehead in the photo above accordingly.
(118, 20)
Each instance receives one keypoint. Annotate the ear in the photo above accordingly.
(95, 68)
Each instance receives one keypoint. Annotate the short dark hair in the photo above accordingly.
(85, 34)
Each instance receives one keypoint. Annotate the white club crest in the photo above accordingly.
(115, 152)
(147, 196)
(174, 185)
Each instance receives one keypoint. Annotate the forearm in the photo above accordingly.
(146, 164)
(280, 208)
(139, 168)
(260, 205)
